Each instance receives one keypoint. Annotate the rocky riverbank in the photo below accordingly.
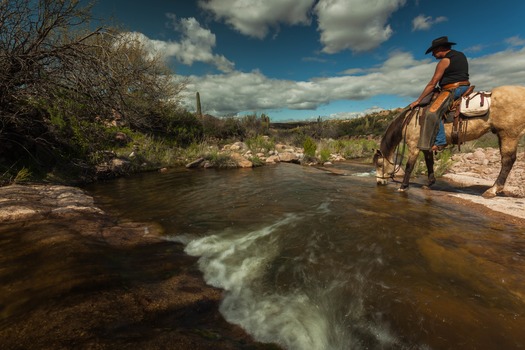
(73, 277)
(476, 171)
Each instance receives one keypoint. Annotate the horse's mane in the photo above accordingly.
(393, 133)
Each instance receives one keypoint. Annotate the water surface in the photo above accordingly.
(313, 260)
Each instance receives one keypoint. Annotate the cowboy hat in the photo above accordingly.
(441, 41)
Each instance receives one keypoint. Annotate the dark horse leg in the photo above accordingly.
(411, 162)
(429, 161)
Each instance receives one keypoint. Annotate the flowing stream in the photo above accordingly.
(313, 260)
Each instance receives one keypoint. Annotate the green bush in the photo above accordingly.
(324, 155)
(184, 128)
(360, 148)
(309, 147)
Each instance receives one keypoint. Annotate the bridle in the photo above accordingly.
(395, 163)
(391, 175)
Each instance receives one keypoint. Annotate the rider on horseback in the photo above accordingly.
(451, 76)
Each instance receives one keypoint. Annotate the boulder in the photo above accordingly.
(272, 159)
(121, 138)
(288, 157)
(119, 165)
(195, 163)
(238, 146)
(241, 161)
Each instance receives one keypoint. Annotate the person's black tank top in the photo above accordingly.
(457, 70)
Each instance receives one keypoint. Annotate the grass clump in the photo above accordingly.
(220, 160)
(260, 144)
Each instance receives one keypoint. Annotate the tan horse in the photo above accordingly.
(506, 119)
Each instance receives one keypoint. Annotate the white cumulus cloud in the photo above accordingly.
(423, 22)
(515, 41)
(195, 45)
(358, 25)
(256, 17)
(400, 75)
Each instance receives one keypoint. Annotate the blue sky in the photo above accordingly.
(300, 59)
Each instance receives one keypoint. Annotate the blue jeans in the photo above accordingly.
(441, 138)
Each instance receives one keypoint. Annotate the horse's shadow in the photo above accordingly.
(445, 187)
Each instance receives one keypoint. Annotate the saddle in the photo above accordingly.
(470, 104)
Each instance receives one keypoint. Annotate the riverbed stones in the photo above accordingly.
(273, 159)
(81, 279)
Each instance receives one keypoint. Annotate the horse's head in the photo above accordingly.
(384, 168)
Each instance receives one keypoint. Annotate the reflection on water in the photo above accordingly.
(312, 260)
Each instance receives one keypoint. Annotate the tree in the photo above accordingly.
(60, 77)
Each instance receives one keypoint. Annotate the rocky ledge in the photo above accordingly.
(74, 277)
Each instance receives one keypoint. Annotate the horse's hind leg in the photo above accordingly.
(508, 147)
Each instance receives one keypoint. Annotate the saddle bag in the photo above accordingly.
(475, 104)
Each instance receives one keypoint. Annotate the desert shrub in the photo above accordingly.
(443, 161)
(309, 147)
(359, 148)
(180, 126)
(228, 128)
(254, 125)
(324, 155)
(487, 140)
(23, 175)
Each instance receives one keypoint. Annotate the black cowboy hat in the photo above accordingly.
(441, 41)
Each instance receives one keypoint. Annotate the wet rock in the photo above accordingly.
(18, 202)
(195, 164)
(74, 277)
(288, 157)
(273, 159)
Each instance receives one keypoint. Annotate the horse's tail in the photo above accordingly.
(394, 132)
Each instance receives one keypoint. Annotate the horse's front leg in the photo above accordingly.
(411, 161)
(429, 161)
(508, 150)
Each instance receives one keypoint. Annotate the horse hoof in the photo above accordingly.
(490, 193)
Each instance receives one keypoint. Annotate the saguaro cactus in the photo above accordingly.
(199, 111)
